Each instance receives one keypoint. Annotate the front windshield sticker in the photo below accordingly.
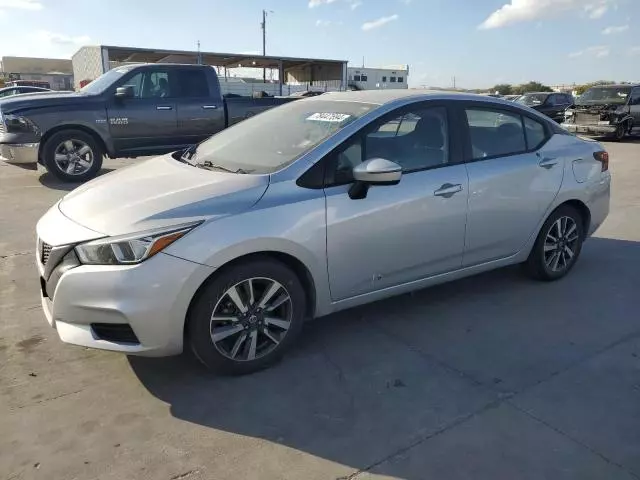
(329, 117)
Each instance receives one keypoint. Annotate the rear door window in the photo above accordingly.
(495, 133)
(193, 84)
(535, 133)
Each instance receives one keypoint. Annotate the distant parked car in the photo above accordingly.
(10, 91)
(552, 105)
(316, 206)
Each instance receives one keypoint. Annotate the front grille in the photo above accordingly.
(45, 251)
(115, 332)
(587, 118)
(2, 130)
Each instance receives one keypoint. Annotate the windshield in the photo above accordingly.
(272, 140)
(604, 95)
(104, 81)
(530, 99)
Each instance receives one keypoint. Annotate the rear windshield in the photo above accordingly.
(604, 95)
(270, 141)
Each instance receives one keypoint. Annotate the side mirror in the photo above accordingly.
(376, 171)
(124, 92)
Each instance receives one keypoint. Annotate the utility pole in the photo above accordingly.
(454, 82)
(199, 54)
(264, 42)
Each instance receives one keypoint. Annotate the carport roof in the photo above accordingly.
(150, 55)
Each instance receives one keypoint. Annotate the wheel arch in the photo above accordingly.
(295, 264)
(582, 208)
(82, 128)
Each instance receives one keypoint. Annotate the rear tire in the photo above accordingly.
(72, 156)
(558, 245)
(231, 341)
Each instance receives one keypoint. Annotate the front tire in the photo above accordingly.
(72, 156)
(558, 245)
(621, 132)
(246, 318)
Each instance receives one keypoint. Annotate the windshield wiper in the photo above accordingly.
(208, 165)
(189, 154)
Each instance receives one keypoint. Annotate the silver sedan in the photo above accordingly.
(316, 206)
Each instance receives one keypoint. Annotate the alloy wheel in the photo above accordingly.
(251, 319)
(74, 157)
(560, 244)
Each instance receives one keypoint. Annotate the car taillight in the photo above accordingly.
(603, 158)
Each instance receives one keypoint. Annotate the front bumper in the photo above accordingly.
(21, 153)
(151, 299)
(590, 129)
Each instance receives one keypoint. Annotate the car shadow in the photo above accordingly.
(49, 181)
(366, 383)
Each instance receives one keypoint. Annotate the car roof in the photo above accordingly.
(382, 97)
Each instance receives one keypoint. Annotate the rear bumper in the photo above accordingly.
(20, 153)
(590, 129)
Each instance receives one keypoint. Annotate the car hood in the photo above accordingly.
(45, 99)
(157, 193)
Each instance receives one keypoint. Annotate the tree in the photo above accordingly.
(531, 87)
(503, 89)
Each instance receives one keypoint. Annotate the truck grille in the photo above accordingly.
(45, 251)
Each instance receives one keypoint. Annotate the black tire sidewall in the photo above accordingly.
(536, 263)
(198, 323)
(48, 155)
(621, 131)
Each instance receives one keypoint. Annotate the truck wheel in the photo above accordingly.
(621, 131)
(72, 156)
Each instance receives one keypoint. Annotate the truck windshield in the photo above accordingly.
(274, 139)
(604, 95)
(103, 82)
(530, 99)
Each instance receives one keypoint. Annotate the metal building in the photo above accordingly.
(285, 72)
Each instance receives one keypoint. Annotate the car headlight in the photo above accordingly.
(18, 124)
(130, 249)
(568, 113)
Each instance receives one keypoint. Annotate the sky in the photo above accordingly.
(479, 42)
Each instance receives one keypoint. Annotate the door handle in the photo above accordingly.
(164, 107)
(448, 190)
(548, 163)
(210, 107)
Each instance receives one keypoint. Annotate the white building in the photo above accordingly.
(364, 78)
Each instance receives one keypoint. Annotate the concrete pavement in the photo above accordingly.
(491, 377)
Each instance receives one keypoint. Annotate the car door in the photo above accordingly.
(553, 106)
(514, 176)
(147, 121)
(405, 232)
(634, 107)
(200, 111)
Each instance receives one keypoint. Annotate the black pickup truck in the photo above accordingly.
(129, 111)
